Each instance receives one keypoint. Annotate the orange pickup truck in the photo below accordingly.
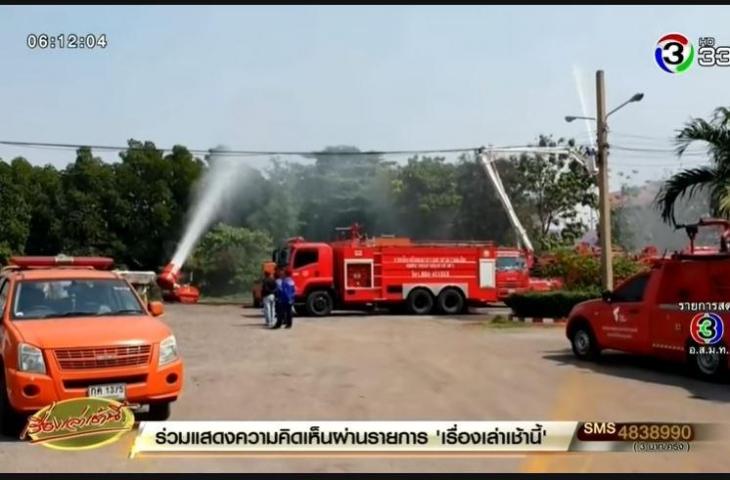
(72, 328)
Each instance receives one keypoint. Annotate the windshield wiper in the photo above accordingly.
(135, 311)
(69, 314)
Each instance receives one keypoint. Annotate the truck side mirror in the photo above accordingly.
(607, 296)
(156, 308)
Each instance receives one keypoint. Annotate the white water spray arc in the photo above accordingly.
(218, 185)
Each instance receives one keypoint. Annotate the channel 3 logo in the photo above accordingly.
(674, 53)
(706, 328)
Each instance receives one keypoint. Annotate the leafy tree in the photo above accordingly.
(715, 178)
(553, 187)
(89, 194)
(427, 196)
(279, 212)
(228, 259)
(481, 215)
(337, 190)
(15, 213)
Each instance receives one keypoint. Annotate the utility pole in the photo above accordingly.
(604, 204)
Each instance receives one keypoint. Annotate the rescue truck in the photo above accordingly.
(71, 328)
(676, 310)
(356, 272)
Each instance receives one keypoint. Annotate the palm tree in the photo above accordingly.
(714, 178)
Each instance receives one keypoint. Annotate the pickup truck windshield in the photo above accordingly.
(510, 263)
(36, 299)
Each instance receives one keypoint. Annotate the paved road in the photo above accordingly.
(356, 367)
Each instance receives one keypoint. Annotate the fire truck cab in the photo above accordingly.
(675, 311)
(513, 272)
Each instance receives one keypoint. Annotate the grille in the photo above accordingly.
(102, 357)
(513, 284)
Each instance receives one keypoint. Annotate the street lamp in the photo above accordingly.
(604, 209)
(636, 98)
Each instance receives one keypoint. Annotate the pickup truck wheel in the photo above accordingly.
(319, 303)
(707, 365)
(450, 301)
(584, 343)
(159, 412)
(11, 422)
(420, 301)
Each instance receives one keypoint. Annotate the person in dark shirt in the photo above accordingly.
(268, 299)
(285, 293)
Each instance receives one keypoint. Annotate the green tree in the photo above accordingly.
(553, 188)
(87, 206)
(337, 190)
(228, 259)
(279, 211)
(480, 215)
(152, 198)
(427, 197)
(15, 214)
(715, 177)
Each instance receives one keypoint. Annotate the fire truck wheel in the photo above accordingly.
(319, 303)
(11, 422)
(584, 342)
(707, 365)
(420, 301)
(450, 301)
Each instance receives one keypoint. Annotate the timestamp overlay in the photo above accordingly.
(67, 41)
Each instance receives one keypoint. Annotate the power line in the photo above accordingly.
(231, 152)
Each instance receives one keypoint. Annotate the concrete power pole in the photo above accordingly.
(604, 201)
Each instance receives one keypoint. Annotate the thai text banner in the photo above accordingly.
(355, 436)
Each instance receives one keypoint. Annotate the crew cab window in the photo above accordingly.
(632, 290)
(3, 294)
(303, 258)
(74, 298)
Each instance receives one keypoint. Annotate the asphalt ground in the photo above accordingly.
(387, 367)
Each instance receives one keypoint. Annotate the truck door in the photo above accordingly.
(305, 267)
(624, 320)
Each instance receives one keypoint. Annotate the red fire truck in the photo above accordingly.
(677, 311)
(356, 272)
(513, 272)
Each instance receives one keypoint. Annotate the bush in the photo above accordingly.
(228, 259)
(548, 304)
(583, 271)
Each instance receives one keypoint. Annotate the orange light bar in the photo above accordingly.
(98, 263)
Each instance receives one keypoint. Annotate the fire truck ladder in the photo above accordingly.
(488, 157)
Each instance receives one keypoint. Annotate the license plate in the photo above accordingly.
(510, 290)
(116, 391)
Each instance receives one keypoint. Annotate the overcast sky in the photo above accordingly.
(374, 77)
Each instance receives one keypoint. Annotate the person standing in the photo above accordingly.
(285, 293)
(268, 290)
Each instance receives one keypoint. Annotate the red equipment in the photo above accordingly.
(669, 312)
(357, 273)
(172, 290)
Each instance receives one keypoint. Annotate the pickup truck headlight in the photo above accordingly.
(168, 350)
(30, 359)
